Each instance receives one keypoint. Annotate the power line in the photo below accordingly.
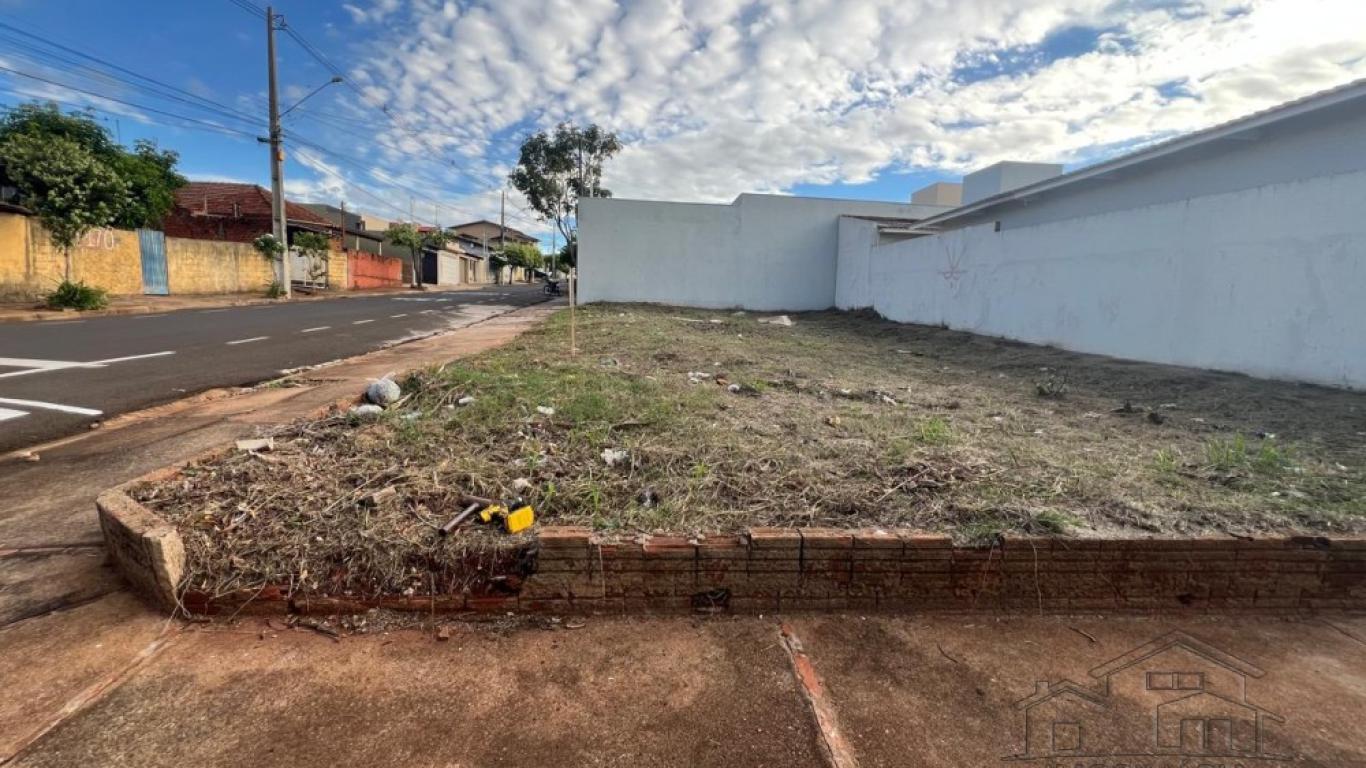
(214, 126)
(157, 87)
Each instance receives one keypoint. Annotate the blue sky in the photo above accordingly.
(843, 98)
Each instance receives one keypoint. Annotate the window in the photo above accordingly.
(1066, 737)
(1176, 681)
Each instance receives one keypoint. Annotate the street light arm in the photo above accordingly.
(335, 79)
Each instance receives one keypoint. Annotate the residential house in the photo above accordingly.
(483, 237)
(240, 213)
(372, 262)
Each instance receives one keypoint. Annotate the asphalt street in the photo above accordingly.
(57, 377)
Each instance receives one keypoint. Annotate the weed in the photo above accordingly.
(1053, 522)
(1164, 460)
(934, 431)
(78, 295)
(275, 290)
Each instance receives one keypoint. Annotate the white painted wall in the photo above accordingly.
(762, 252)
(1267, 280)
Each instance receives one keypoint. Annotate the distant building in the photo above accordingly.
(214, 210)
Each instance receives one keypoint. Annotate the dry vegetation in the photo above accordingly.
(842, 420)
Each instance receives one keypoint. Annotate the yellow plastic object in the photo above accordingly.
(515, 520)
(519, 519)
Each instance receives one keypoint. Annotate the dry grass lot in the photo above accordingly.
(840, 420)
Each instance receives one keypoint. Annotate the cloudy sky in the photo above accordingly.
(842, 98)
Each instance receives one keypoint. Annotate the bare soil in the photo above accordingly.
(671, 420)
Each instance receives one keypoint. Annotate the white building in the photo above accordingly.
(1241, 247)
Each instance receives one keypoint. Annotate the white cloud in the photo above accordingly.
(718, 97)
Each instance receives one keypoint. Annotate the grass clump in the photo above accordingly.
(77, 295)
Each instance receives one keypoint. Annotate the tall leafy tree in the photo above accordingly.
(70, 189)
(555, 169)
(152, 182)
(417, 242)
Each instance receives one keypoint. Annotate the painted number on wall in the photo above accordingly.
(99, 238)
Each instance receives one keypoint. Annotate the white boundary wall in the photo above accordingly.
(1268, 280)
(761, 252)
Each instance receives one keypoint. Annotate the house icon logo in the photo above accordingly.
(1175, 701)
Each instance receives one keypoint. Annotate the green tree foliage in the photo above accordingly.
(555, 169)
(417, 242)
(523, 255)
(68, 171)
(70, 189)
(568, 255)
(152, 182)
(314, 246)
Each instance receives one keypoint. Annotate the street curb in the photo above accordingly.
(56, 315)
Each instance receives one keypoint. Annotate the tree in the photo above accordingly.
(555, 169)
(152, 182)
(568, 255)
(417, 242)
(76, 178)
(70, 189)
(523, 255)
(314, 246)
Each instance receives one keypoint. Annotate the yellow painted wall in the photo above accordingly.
(107, 258)
(14, 266)
(111, 259)
(215, 266)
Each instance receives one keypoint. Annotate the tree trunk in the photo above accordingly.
(417, 270)
(66, 263)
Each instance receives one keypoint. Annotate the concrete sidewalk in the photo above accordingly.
(92, 677)
(926, 691)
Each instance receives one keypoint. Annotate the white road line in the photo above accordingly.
(401, 314)
(248, 341)
(27, 362)
(6, 414)
(362, 322)
(129, 357)
(50, 406)
(319, 328)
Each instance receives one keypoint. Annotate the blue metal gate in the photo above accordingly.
(153, 246)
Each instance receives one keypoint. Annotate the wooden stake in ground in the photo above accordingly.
(573, 346)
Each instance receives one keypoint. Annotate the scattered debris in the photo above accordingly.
(1052, 387)
(1128, 407)
(256, 445)
(367, 409)
(545, 410)
(833, 421)
(697, 377)
(464, 401)
(383, 392)
(743, 389)
(380, 496)
(575, 624)
(782, 320)
(1083, 633)
(648, 497)
(96, 424)
(443, 634)
(29, 456)
(614, 456)
(521, 485)
(1155, 417)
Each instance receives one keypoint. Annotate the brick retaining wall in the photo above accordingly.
(770, 570)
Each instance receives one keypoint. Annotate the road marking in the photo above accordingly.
(6, 414)
(248, 341)
(149, 317)
(401, 314)
(362, 322)
(129, 357)
(51, 406)
(26, 362)
(319, 328)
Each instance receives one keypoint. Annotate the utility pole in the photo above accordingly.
(502, 223)
(277, 157)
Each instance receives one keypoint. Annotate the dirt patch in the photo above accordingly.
(676, 420)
